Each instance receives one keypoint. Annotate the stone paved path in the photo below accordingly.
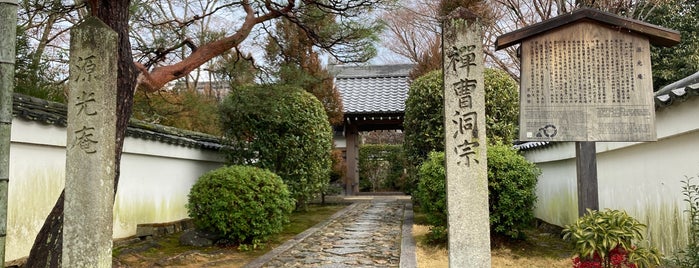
(365, 234)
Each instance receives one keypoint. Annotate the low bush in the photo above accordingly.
(243, 204)
(511, 197)
(511, 191)
(609, 238)
(432, 196)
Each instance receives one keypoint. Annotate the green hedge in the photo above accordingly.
(431, 195)
(381, 167)
(511, 190)
(424, 114)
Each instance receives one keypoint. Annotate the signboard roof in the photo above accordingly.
(656, 35)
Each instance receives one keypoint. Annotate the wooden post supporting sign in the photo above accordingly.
(586, 166)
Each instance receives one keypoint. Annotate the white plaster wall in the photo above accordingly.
(643, 179)
(154, 187)
(340, 141)
(155, 180)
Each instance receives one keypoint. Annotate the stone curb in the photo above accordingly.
(408, 259)
(257, 263)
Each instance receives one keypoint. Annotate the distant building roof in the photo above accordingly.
(53, 113)
(372, 89)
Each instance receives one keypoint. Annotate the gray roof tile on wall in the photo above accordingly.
(678, 91)
(53, 113)
(372, 89)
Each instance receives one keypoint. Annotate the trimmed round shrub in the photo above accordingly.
(283, 129)
(511, 192)
(243, 204)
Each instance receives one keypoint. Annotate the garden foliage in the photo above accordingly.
(432, 196)
(338, 173)
(689, 257)
(501, 106)
(609, 238)
(31, 77)
(511, 197)
(283, 129)
(424, 114)
(243, 204)
(424, 118)
(511, 190)
(181, 108)
(381, 167)
(670, 64)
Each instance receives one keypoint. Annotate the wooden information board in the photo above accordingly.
(586, 82)
(586, 77)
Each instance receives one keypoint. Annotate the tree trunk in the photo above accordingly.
(47, 248)
(8, 28)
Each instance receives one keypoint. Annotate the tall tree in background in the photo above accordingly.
(511, 15)
(235, 68)
(353, 19)
(164, 32)
(418, 20)
(179, 107)
(40, 32)
(297, 62)
(159, 38)
(414, 31)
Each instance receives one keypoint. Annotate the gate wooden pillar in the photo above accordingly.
(352, 183)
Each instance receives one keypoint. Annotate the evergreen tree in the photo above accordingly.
(674, 63)
(296, 61)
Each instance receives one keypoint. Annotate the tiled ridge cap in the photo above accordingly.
(370, 71)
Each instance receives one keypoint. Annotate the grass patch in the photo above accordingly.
(539, 249)
(167, 251)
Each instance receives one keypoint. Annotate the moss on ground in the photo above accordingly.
(167, 251)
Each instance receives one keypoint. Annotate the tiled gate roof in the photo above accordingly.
(373, 89)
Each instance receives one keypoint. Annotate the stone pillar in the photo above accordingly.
(352, 136)
(8, 26)
(89, 190)
(465, 142)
